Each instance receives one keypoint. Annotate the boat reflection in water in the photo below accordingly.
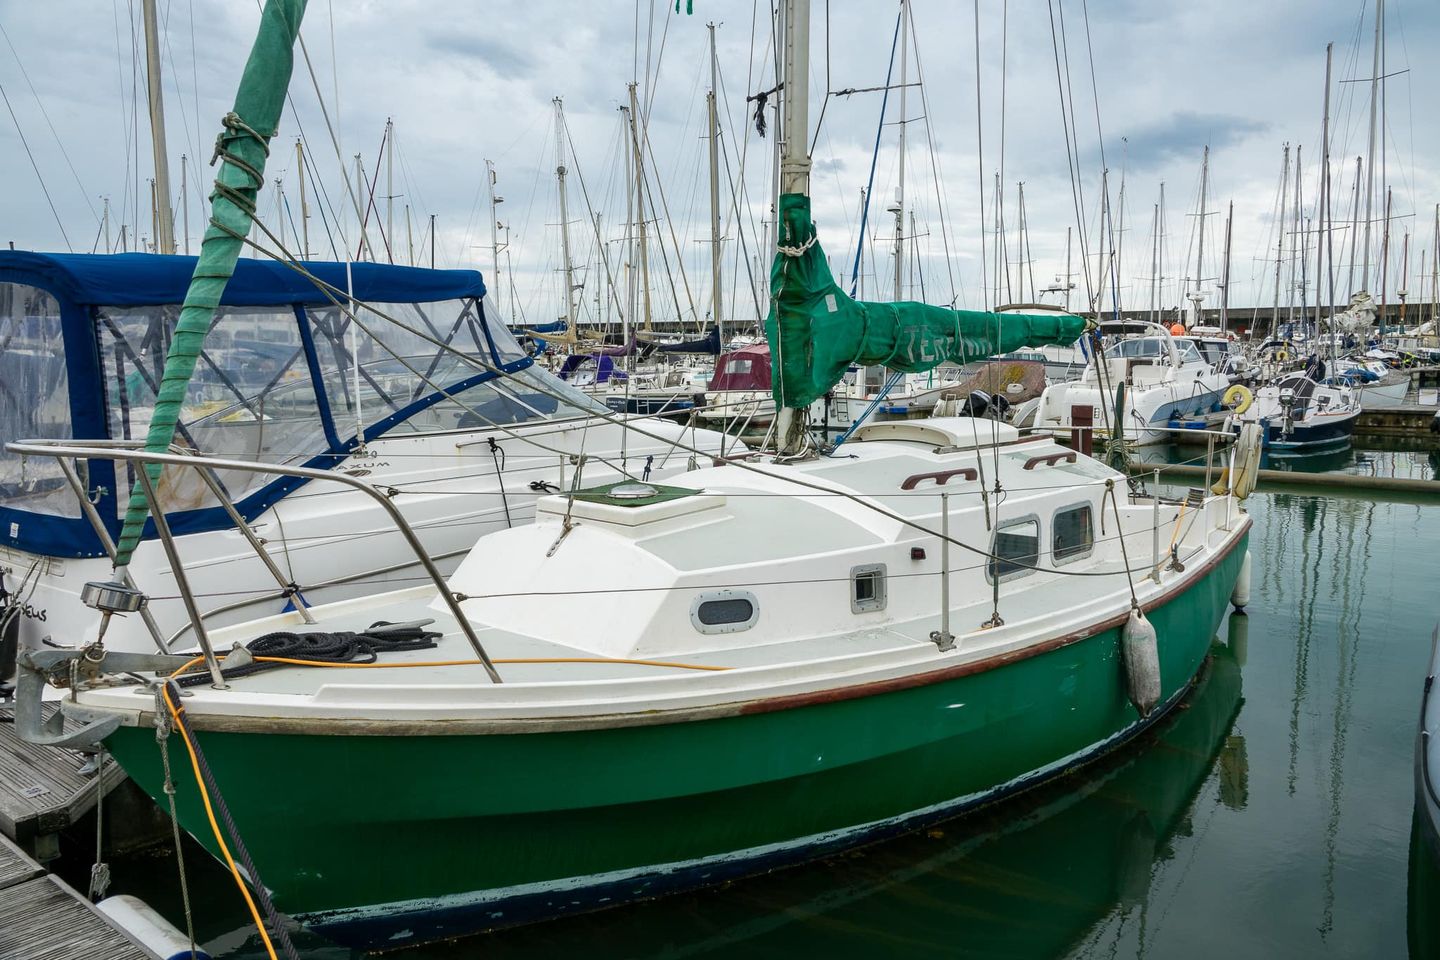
(1038, 876)
(1423, 895)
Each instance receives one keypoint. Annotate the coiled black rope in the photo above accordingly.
(337, 647)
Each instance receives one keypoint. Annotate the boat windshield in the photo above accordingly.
(1153, 348)
(259, 393)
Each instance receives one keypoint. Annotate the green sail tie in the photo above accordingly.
(243, 146)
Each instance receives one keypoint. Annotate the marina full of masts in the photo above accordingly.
(717, 439)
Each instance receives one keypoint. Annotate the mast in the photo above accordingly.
(566, 266)
(1354, 226)
(304, 206)
(1385, 262)
(1023, 229)
(1068, 284)
(494, 237)
(860, 274)
(1100, 256)
(280, 210)
(1370, 142)
(1161, 245)
(362, 184)
(715, 225)
(164, 218)
(1402, 292)
(639, 169)
(632, 288)
(1323, 235)
(794, 162)
(1280, 237)
(390, 189)
(1154, 263)
(1300, 229)
(1117, 238)
(1197, 296)
(1225, 272)
(899, 207)
(1434, 268)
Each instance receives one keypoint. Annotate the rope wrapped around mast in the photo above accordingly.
(244, 147)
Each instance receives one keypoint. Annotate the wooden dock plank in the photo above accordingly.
(15, 866)
(41, 788)
(47, 920)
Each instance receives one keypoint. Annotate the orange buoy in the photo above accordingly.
(1177, 330)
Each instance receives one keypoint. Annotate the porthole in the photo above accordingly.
(724, 611)
(867, 588)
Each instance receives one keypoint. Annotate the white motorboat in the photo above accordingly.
(1167, 381)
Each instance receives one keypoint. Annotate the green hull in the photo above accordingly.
(367, 836)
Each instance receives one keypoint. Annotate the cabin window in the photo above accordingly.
(1072, 534)
(34, 399)
(724, 611)
(1016, 549)
(743, 365)
(867, 588)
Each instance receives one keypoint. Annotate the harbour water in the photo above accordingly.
(1270, 817)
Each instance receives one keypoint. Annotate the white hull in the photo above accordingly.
(1382, 394)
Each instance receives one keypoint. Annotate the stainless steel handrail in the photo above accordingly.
(123, 450)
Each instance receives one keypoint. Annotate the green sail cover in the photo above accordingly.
(244, 146)
(816, 332)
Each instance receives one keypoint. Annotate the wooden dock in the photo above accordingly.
(1405, 420)
(1378, 487)
(43, 790)
(41, 916)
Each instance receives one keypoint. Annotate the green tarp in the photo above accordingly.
(816, 332)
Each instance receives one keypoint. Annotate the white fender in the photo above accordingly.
(1141, 650)
(139, 919)
(1240, 595)
(1239, 478)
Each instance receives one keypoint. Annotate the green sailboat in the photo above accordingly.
(655, 688)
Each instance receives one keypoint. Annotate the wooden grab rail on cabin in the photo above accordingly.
(1050, 459)
(940, 477)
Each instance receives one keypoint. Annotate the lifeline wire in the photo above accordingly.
(612, 418)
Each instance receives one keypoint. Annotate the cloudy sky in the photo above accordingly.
(467, 82)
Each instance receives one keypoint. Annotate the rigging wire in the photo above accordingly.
(980, 163)
(46, 114)
(339, 298)
(955, 289)
(36, 167)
